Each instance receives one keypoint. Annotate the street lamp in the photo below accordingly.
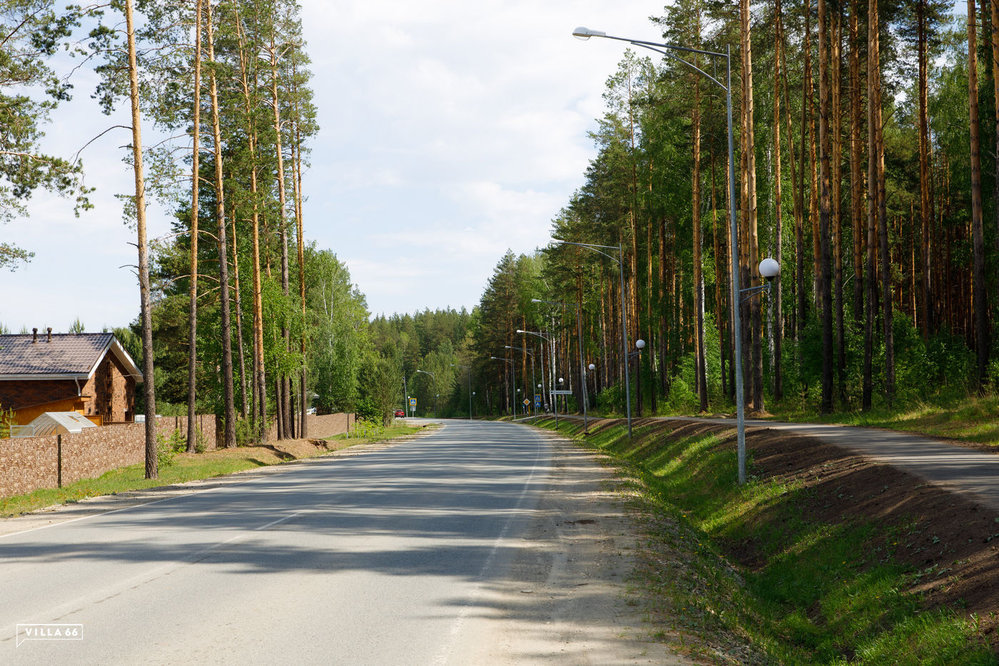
(769, 269)
(551, 375)
(624, 308)
(586, 424)
(639, 346)
(579, 333)
(740, 408)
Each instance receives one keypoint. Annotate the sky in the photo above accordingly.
(450, 131)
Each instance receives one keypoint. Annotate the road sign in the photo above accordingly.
(561, 392)
(526, 402)
(412, 403)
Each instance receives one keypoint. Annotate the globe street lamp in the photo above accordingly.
(551, 376)
(740, 408)
(639, 346)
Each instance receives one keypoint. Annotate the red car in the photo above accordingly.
(399, 413)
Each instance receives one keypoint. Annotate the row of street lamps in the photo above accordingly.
(768, 267)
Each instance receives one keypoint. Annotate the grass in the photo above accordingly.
(970, 419)
(807, 592)
(185, 467)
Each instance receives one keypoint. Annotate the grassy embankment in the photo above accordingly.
(970, 419)
(176, 467)
(732, 565)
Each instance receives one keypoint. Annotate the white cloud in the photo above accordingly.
(450, 131)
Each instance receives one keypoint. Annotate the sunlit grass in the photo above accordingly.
(815, 593)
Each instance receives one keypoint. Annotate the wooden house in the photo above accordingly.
(88, 373)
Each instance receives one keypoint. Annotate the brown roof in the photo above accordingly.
(67, 354)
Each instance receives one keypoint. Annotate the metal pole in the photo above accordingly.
(551, 378)
(582, 366)
(469, 370)
(624, 337)
(513, 370)
(534, 387)
(740, 409)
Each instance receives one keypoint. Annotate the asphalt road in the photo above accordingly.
(385, 557)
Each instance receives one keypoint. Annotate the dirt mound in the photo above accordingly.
(951, 541)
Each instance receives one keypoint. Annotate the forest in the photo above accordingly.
(865, 145)
(865, 166)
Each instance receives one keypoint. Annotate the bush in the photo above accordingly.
(611, 399)
(244, 433)
(168, 447)
(367, 410)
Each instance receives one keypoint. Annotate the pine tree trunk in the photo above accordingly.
(799, 232)
(856, 168)
(260, 378)
(287, 420)
(152, 463)
(700, 364)
(995, 103)
(979, 305)
(873, 125)
(192, 338)
(305, 399)
(756, 352)
(825, 210)
(797, 196)
(240, 346)
(925, 189)
(836, 132)
(778, 205)
(229, 404)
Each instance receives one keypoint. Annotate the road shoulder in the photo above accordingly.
(571, 596)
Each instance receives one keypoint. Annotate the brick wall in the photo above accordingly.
(32, 463)
(321, 427)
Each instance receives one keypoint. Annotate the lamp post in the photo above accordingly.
(551, 376)
(586, 33)
(526, 351)
(586, 425)
(582, 366)
(513, 384)
(434, 377)
(624, 308)
(639, 346)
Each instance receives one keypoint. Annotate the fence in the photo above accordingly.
(31, 463)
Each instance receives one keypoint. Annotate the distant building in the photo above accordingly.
(87, 373)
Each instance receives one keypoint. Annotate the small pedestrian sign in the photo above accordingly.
(412, 403)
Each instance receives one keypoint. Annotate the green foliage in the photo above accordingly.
(168, 447)
(29, 90)
(611, 400)
(6, 421)
(818, 591)
(245, 436)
